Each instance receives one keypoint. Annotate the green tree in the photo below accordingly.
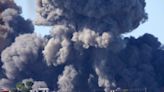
(21, 87)
(29, 85)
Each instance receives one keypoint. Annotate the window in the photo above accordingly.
(40, 91)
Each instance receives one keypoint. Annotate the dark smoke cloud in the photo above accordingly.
(66, 81)
(16, 56)
(135, 69)
(104, 15)
(84, 50)
(58, 47)
(89, 38)
(11, 23)
(8, 4)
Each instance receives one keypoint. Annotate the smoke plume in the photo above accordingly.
(85, 50)
(111, 15)
(66, 81)
(11, 23)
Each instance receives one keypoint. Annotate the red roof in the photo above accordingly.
(4, 90)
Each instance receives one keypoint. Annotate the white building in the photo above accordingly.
(40, 90)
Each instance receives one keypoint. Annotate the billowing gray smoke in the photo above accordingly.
(11, 23)
(16, 56)
(116, 16)
(67, 80)
(84, 50)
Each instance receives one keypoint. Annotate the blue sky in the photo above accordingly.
(154, 25)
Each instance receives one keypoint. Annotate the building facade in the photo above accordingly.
(40, 90)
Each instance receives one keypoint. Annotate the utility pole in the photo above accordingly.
(145, 89)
